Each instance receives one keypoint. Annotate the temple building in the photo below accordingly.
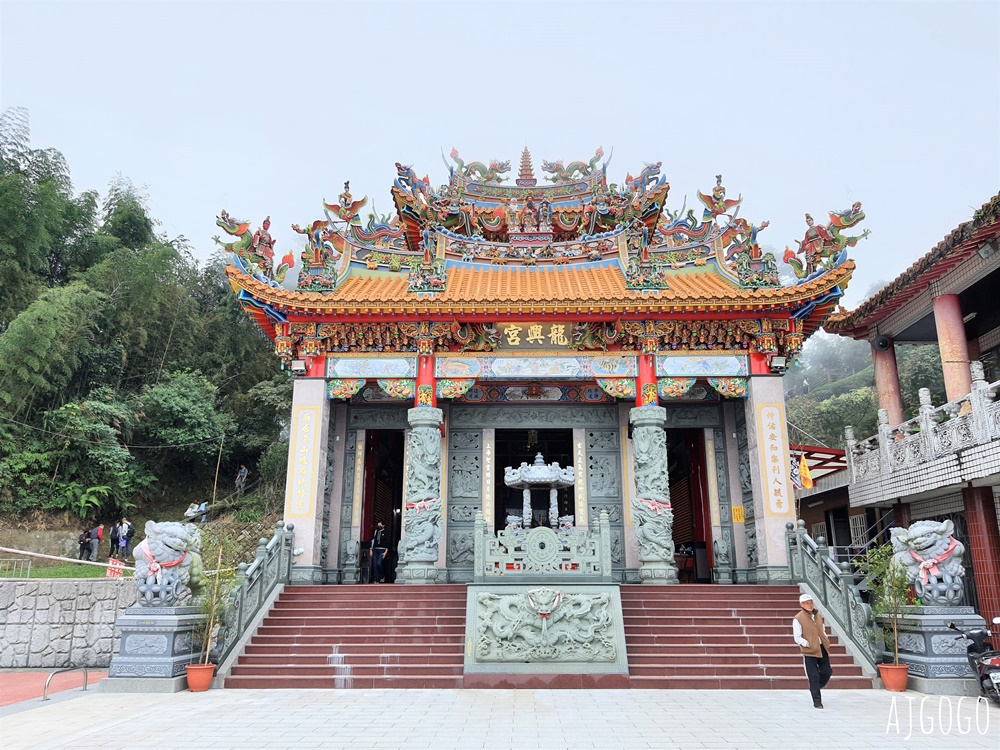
(493, 324)
(944, 463)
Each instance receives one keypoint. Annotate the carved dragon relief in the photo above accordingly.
(544, 625)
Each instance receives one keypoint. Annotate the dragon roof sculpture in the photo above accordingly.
(489, 222)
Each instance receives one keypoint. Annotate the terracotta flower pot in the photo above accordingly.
(894, 676)
(199, 677)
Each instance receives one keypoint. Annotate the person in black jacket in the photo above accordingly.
(380, 548)
(84, 541)
(113, 541)
(125, 535)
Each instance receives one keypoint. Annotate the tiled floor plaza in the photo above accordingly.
(496, 719)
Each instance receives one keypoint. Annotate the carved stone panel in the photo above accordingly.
(533, 416)
(535, 627)
(377, 417)
(461, 547)
(464, 440)
(614, 512)
(602, 440)
(462, 513)
(466, 476)
(602, 475)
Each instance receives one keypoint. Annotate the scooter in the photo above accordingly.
(983, 658)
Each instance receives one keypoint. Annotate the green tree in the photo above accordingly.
(41, 349)
(180, 414)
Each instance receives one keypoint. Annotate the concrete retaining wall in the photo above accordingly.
(61, 622)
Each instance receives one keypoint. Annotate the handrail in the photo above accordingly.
(833, 585)
(254, 584)
(45, 692)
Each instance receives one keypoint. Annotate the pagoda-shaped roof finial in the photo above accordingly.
(526, 174)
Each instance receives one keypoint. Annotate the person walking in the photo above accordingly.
(241, 481)
(810, 634)
(125, 538)
(84, 542)
(96, 537)
(113, 541)
(380, 548)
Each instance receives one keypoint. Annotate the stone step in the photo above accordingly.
(362, 648)
(280, 619)
(742, 659)
(745, 683)
(734, 629)
(696, 650)
(386, 628)
(668, 618)
(371, 659)
(736, 670)
(394, 640)
(283, 682)
(388, 670)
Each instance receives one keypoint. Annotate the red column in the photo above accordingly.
(317, 367)
(887, 383)
(426, 386)
(901, 515)
(645, 383)
(984, 546)
(954, 346)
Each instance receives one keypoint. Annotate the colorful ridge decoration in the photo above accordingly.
(675, 387)
(729, 387)
(403, 388)
(618, 387)
(453, 388)
(344, 389)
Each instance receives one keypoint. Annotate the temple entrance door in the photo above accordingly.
(516, 446)
(692, 531)
(383, 492)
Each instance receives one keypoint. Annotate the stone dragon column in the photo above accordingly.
(651, 513)
(422, 516)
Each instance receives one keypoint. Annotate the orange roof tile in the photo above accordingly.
(472, 289)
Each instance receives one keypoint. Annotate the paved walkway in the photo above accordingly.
(496, 719)
(27, 685)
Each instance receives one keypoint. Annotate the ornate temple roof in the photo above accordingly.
(956, 247)
(573, 242)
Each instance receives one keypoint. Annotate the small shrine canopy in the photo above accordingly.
(980, 235)
(575, 244)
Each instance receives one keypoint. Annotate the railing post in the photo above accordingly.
(241, 581)
(926, 423)
(791, 552)
(885, 441)
(846, 586)
(289, 548)
(822, 555)
(605, 547)
(849, 444)
(800, 534)
(979, 399)
(479, 547)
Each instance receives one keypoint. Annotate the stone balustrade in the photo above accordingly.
(946, 445)
(543, 554)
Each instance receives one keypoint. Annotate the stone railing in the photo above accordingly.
(833, 586)
(542, 554)
(935, 433)
(254, 584)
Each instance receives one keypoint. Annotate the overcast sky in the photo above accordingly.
(266, 108)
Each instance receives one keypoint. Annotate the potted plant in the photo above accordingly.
(890, 590)
(212, 606)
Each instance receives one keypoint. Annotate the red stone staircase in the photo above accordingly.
(387, 636)
(374, 636)
(703, 637)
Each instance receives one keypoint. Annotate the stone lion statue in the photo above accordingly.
(932, 559)
(168, 566)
